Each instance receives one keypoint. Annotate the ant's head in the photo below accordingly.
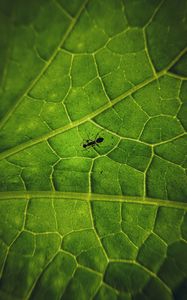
(99, 140)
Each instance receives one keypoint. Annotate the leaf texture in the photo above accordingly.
(103, 222)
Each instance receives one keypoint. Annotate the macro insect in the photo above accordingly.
(92, 143)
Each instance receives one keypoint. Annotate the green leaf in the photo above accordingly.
(106, 222)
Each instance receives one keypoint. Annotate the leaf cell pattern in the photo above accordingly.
(107, 222)
(102, 249)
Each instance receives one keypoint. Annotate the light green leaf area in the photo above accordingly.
(93, 120)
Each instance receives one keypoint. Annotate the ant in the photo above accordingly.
(92, 143)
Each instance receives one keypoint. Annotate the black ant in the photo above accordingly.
(90, 143)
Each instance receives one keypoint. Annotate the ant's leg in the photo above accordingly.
(85, 141)
(97, 135)
(93, 138)
(86, 149)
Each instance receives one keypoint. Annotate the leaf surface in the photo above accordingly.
(101, 222)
